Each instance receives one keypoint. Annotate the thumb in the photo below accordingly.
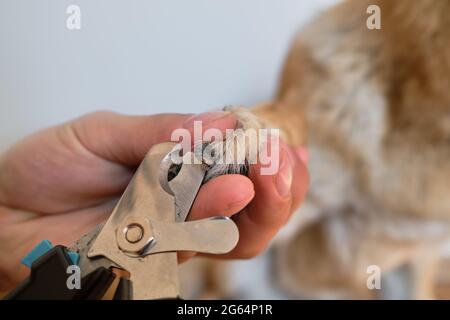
(126, 139)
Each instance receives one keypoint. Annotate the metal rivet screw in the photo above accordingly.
(134, 233)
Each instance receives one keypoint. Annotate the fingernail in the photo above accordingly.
(206, 118)
(283, 180)
(303, 154)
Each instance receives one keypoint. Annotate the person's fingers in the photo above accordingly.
(126, 139)
(276, 197)
(300, 182)
(222, 196)
(303, 154)
(51, 172)
(88, 160)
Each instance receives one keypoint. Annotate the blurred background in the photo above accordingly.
(144, 57)
(139, 57)
(154, 56)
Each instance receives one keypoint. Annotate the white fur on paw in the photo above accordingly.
(238, 150)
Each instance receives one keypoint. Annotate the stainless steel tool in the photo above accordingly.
(147, 226)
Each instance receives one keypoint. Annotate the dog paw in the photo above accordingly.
(240, 146)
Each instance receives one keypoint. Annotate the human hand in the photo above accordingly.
(61, 182)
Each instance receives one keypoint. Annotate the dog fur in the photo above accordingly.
(375, 105)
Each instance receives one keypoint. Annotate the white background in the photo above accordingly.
(144, 57)
(137, 56)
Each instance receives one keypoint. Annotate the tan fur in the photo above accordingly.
(376, 106)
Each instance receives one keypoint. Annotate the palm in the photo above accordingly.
(60, 190)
